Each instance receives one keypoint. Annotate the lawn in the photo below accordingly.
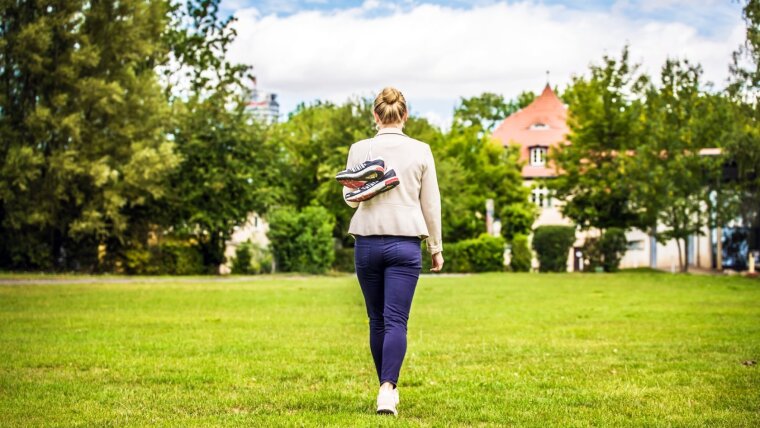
(630, 349)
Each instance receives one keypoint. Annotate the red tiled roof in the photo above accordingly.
(546, 109)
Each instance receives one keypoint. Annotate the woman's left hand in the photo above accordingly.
(437, 262)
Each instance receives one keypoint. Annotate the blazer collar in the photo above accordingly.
(390, 131)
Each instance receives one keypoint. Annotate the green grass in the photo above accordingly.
(632, 349)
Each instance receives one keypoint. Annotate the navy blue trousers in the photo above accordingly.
(388, 268)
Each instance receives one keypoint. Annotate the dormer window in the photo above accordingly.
(539, 126)
(538, 156)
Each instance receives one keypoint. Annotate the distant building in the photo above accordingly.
(262, 106)
(543, 125)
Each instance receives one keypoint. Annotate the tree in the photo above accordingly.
(477, 167)
(315, 142)
(228, 169)
(744, 90)
(82, 125)
(673, 176)
(605, 123)
(487, 109)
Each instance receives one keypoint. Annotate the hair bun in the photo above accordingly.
(390, 106)
(391, 95)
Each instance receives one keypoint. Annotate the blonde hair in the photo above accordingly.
(390, 106)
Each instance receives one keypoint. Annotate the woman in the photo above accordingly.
(388, 229)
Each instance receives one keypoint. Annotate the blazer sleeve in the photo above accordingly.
(430, 201)
(349, 163)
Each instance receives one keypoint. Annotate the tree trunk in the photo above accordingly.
(680, 262)
(685, 265)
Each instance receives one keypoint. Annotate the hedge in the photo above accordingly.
(166, 258)
(607, 251)
(521, 256)
(483, 254)
(552, 245)
(344, 260)
(302, 241)
(251, 258)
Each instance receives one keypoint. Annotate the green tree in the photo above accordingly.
(744, 89)
(314, 143)
(82, 127)
(488, 109)
(302, 240)
(605, 127)
(475, 167)
(228, 169)
(673, 176)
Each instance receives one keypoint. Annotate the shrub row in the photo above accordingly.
(166, 258)
(482, 254)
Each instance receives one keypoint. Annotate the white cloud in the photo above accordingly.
(436, 54)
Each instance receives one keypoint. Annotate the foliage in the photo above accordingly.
(674, 178)
(166, 258)
(473, 169)
(606, 251)
(484, 111)
(552, 245)
(314, 145)
(302, 241)
(251, 258)
(743, 151)
(521, 256)
(482, 254)
(344, 260)
(82, 125)
(605, 127)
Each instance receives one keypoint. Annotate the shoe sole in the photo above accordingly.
(362, 179)
(386, 412)
(387, 185)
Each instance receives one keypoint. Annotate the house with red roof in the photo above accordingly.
(538, 128)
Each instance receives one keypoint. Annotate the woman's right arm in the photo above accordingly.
(349, 163)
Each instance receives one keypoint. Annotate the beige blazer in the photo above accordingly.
(413, 208)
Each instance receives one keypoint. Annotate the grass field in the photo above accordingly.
(631, 349)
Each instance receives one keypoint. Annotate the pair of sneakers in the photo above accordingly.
(369, 179)
(387, 400)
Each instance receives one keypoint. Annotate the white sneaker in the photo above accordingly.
(395, 395)
(386, 402)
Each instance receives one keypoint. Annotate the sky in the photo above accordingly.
(438, 51)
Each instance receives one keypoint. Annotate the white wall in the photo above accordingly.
(255, 229)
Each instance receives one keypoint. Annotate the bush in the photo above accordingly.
(302, 241)
(521, 256)
(251, 258)
(483, 254)
(344, 260)
(552, 244)
(606, 251)
(166, 258)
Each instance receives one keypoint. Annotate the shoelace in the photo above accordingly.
(358, 167)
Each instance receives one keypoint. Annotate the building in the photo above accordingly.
(262, 106)
(543, 125)
(254, 230)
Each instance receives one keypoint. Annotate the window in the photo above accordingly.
(539, 126)
(538, 156)
(541, 197)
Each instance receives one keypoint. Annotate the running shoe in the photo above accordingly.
(358, 175)
(386, 402)
(374, 188)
